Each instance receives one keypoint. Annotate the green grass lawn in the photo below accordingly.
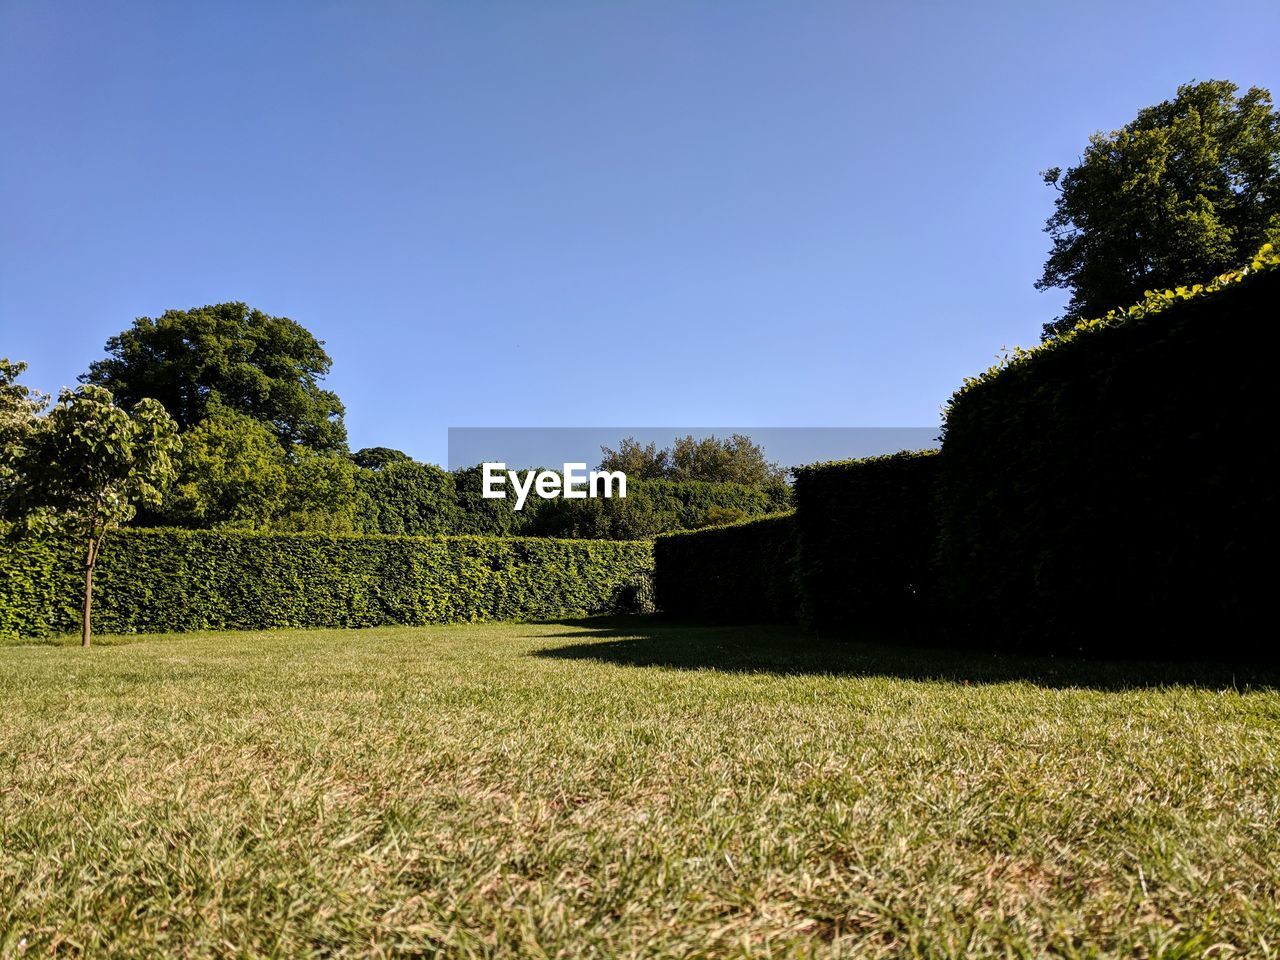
(599, 789)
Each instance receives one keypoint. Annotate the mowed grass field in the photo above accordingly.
(628, 790)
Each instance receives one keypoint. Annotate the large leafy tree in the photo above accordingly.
(88, 464)
(1186, 191)
(264, 367)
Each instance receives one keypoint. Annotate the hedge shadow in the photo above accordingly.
(655, 642)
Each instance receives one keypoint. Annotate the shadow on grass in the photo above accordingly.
(783, 650)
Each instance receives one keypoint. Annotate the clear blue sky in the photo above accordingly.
(574, 213)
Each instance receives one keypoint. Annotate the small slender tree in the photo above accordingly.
(88, 464)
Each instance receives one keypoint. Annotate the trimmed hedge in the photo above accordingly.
(867, 533)
(857, 551)
(1114, 490)
(172, 580)
(742, 572)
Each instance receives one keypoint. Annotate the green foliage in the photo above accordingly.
(477, 516)
(19, 408)
(234, 474)
(406, 497)
(638, 461)
(739, 573)
(231, 474)
(158, 580)
(735, 459)
(375, 458)
(262, 366)
(634, 517)
(1110, 489)
(636, 595)
(320, 494)
(723, 516)
(1187, 190)
(1152, 302)
(651, 507)
(86, 467)
(88, 464)
(867, 532)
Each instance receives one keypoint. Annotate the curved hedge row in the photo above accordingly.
(742, 572)
(169, 580)
(1111, 489)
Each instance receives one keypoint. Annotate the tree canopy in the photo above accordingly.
(1186, 191)
(376, 458)
(734, 459)
(320, 494)
(268, 368)
(231, 473)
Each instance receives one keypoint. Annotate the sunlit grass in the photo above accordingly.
(605, 790)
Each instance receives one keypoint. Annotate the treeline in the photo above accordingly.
(333, 493)
(232, 474)
(262, 446)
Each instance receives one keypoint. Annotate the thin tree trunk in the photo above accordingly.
(90, 560)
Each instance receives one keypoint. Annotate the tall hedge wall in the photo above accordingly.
(162, 580)
(856, 552)
(741, 572)
(867, 532)
(1112, 491)
(1116, 489)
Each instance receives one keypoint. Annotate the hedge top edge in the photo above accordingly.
(322, 535)
(748, 522)
(1265, 260)
(811, 468)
